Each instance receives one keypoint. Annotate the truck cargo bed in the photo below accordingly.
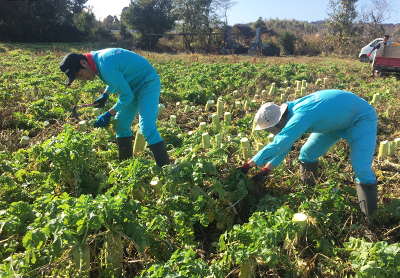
(387, 62)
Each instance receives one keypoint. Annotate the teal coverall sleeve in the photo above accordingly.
(124, 72)
(276, 151)
(118, 83)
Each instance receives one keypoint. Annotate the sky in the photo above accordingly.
(246, 11)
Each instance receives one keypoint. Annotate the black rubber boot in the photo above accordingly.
(160, 154)
(367, 197)
(125, 147)
(309, 173)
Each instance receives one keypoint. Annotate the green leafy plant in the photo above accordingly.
(374, 259)
(70, 208)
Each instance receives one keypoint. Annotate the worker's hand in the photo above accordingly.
(261, 176)
(101, 101)
(103, 119)
(369, 54)
(245, 168)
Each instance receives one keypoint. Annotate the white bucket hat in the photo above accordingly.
(269, 115)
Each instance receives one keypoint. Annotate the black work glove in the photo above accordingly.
(244, 169)
(101, 101)
(261, 176)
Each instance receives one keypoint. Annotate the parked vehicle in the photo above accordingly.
(367, 49)
(388, 62)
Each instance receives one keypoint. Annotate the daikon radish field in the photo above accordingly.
(69, 208)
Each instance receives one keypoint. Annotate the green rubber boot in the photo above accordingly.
(309, 173)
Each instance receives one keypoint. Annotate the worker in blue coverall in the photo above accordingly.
(328, 115)
(138, 86)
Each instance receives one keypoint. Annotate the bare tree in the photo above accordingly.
(223, 6)
(374, 15)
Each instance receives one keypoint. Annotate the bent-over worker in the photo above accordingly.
(328, 115)
(138, 86)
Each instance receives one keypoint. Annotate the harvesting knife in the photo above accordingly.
(76, 107)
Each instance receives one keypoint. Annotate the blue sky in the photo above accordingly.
(246, 11)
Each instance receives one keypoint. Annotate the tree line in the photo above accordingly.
(201, 25)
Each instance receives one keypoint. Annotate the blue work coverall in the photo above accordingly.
(328, 115)
(138, 85)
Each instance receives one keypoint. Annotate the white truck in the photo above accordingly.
(385, 60)
(367, 49)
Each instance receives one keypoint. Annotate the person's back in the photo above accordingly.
(329, 110)
(136, 70)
